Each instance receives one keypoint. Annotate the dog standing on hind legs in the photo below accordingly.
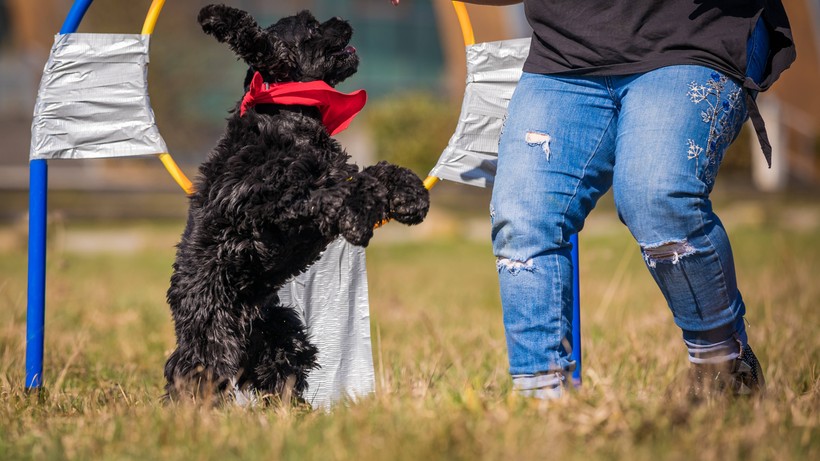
(275, 191)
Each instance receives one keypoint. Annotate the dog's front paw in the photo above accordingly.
(408, 199)
(363, 208)
(356, 228)
(409, 205)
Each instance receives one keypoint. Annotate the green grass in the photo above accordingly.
(439, 350)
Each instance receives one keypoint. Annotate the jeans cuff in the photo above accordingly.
(546, 386)
(717, 335)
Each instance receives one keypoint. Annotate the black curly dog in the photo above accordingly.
(275, 191)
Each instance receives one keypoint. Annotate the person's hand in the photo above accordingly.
(395, 2)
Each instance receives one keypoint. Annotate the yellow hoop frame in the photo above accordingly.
(464, 22)
(176, 172)
(173, 169)
(469, 39)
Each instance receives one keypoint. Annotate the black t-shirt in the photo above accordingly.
(618, 37)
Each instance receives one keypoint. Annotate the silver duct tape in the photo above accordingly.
(93, 99)
(333, 298)
(493, 70)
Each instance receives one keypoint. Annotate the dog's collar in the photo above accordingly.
(338, 109)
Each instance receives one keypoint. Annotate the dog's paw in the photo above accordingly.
(199, 386)
(356, 228)
(409, 205)
(364, 206)
(407, 199)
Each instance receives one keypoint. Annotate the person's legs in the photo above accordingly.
(555, 161)
(675, 125)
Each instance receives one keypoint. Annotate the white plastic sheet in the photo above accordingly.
(93, 99)
(333, 297)
(493, 70)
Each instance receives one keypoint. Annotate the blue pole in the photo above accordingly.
(38, 207)
(75, 15)
(35, 318)
(576, 312)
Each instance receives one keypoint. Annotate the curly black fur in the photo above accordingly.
(275, 191)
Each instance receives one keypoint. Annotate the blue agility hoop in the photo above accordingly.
(38, 206)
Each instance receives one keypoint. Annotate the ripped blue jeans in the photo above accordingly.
(657, 139)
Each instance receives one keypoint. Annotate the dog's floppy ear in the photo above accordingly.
(243, 35)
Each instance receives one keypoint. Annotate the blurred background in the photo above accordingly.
(412, 65)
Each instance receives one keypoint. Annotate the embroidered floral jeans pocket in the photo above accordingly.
(724, 111)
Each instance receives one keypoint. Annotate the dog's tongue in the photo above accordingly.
(346, 50)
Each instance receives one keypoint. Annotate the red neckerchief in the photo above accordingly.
(337, 108)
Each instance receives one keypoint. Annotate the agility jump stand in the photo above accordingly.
(37, 227)
(52, 136)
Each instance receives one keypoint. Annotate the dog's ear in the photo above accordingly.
(243, 35)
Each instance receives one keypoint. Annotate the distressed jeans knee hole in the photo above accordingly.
(535, 138)
(669, 252)
(513, 266)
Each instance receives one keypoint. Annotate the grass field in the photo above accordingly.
(442, 387)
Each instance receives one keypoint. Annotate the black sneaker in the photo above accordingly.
(742, 376)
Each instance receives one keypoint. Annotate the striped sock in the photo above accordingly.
(720, 352)
(717, 345)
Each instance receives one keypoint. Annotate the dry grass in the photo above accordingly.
(439, 349)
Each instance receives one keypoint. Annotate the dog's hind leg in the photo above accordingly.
(280, 355)
(204, 365)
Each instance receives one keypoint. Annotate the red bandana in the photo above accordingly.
(337, 108)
